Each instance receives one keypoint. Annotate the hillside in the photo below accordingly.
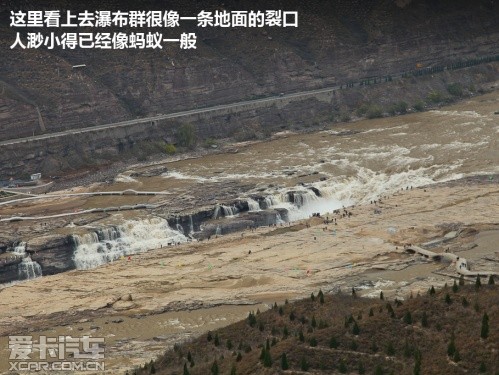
(335, 42)
(436, 333)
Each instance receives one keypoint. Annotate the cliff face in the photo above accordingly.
(336, 41)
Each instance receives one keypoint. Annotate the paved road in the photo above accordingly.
(168, 116)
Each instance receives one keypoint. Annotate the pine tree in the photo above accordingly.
(314, 322)
(217, 340)
(189, 356)
(342, 367)
(465, 302)
(381, 296)
(285, 332)
(457, 357)
(417, 363)
(333, 343)
(482, 368)
(229, 344)
(267, 360)
(284, 362)
(304, 364)
(214, 368)
(447, 299)
(355, 329)
(451, 348)
(408, 318)
(281, 311)
(361, 369)
(432, 290)
(353, 293)
(186, 371)
(239, 357)
(301, 337)
(491, 280)
(321, 299)
(390, 350)
(485, 326)
(233, 370)
(454, 287)
(312, 297)
(371, 312)
(424, 319)
(313, 342)
(209, 337)
(478, 282)
(378, 370)
(407, 349)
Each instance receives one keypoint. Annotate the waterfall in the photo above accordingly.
(230, 210)
(216, 212)
(253, 205)
(191, 225)
(28, 269)
(109, 244)
(20, 249)
(278, 218)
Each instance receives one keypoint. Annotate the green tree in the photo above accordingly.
(333, 343)
(313, 342)
(233, 370)
(186, 136)
(390, 349)
(361, 369)
(314, 322)
(301, 337)
(229, 344)
(451, 348)
(491, 280)
(461, 280)
(304, 364)
(478, 283)
(371, 312)
(432, 290)
(321, 299)
(485, 326)
(378, 370)
(454, 287)
(482, 368)
(342, 367)
(186, 370)
(417, 363)
(285, 332)
(267, 360)
(381, 296)
(284, 362)
(408, 318)
(457, 357)
(424, 319)
(447, 299)
(217, 340)
(355, 329)
(312, 297)
(214, 368)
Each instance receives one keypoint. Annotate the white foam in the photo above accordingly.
(134, 236)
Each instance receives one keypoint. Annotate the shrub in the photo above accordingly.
(418, 106)
(374, 111)
(186, 136)
(485, 326)
(284, 362)
(170, 149)
(408, 318)
(434, 97)
(455, 89)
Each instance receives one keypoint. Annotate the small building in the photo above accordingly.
(36, 176)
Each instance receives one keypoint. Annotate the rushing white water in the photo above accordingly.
(109, 244)
(28, 269)
(20, 249)
(253, 205)
(230, 210)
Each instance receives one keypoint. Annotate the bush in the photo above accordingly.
(434, 97)
(374, 111)
(418, 106)
(455, 89)
(186, 136)
(170, 149)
